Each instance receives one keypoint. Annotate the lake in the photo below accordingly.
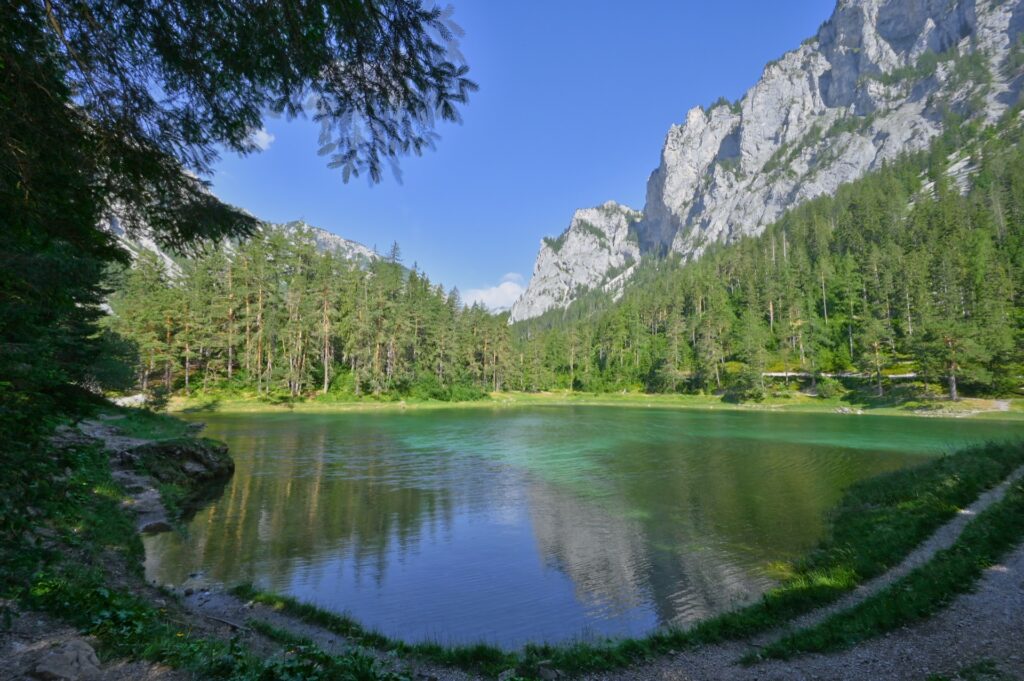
(533, 523)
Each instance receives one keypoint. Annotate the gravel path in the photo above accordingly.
(987, 624)
(943, 538)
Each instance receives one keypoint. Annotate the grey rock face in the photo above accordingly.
(875, 82)
(74, 660)
(136, 243)
(599, 249)
(327, 242)
(872, 84)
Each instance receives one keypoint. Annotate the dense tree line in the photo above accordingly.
(900, 272)
(276, 316)
(916, 269)
(110, 106)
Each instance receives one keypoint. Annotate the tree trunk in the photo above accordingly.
(231, 322)
(824, 300)
(953, 366)
(878, 373)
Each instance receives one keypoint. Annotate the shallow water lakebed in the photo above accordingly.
(534, 523)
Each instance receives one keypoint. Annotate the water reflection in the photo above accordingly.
(528, 525)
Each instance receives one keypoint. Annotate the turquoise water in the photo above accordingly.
(533, 524)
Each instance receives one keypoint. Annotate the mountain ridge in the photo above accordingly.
(323, 240)
(878, 79)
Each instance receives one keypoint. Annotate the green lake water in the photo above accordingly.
(533, 524)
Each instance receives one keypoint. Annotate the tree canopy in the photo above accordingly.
(120, 107)
(901, 273)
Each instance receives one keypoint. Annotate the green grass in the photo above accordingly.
(876, 524)
(985, 670)
(277, 634)
(83, 531)
(481, 657)
(147, 425)
(921, 593)
(792, 402)
(128, 627)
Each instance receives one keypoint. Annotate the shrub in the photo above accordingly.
(829, 387)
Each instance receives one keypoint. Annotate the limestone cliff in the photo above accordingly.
(325, 241)
(880, 78)
(598, 249)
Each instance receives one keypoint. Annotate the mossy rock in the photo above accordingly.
(186, 462)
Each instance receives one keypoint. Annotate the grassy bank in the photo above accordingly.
(80, 561)
(921, 593)
(792, 402)
(877, 523)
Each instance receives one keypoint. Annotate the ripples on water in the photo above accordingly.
(539, 524)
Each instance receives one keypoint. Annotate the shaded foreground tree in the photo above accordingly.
(119, 107)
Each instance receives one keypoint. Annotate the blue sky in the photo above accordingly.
(575, 99)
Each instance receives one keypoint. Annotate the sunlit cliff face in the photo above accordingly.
(877, 81)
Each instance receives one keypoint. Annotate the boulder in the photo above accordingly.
(71, 661)
(185, 461)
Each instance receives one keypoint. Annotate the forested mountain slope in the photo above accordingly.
(879, 79)
(324, 241)
(915, 269)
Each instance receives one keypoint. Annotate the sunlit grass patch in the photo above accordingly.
(148, 425)
(921, 593)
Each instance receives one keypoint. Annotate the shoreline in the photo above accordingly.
(175, 629)
(967, 408)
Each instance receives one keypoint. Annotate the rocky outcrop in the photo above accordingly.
(599, 249)
(327, 242)
(879, 79)
(74, 660)
(187, 462)
(191, 471)
(138, 242)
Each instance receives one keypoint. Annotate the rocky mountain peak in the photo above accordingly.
(879, 79)
(137, 242)
(598, 249)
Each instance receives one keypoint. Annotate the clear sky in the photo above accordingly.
(575, 99)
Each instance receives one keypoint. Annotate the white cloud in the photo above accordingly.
(500, 297)
(262, 139)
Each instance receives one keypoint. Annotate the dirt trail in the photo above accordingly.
(987, 624)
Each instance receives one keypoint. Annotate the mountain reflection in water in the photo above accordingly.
(539, 524)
